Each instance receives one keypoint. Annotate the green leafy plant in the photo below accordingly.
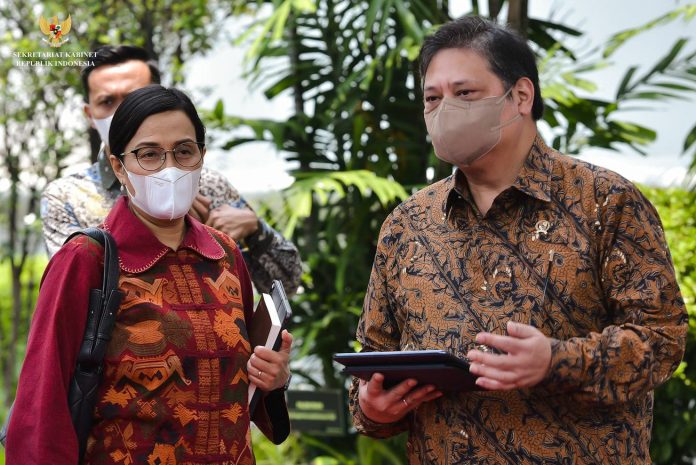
(305, 449)
(675, 402)
(37, 139)
(350, 68)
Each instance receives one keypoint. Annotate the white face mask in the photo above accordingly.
(167, 194)
(102, 126)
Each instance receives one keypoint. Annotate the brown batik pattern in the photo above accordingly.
(175, 385)
(570, 248)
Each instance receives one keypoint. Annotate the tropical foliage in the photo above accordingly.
(675, 405)
(34, 141)
(359, 143)
(302, 449)
(37, 141)
(350, 67)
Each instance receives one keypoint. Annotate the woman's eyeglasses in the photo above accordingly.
(188, 155)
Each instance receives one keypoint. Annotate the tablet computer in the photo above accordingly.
(437, 367)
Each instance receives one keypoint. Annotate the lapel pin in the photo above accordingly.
(541, 227)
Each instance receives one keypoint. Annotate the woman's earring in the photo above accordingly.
(123, 188)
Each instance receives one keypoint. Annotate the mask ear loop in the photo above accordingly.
(507, 123)
(511, 120)
(504, 96)
(124, 187)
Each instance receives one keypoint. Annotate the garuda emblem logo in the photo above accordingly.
(56, 31)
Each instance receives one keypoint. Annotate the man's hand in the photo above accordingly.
(268, 369)
(200, 208)
(524, 364)
(387, 406)
(238, 223)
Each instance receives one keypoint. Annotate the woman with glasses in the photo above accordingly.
(178, 366)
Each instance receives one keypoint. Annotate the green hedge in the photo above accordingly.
(32, 272)
(674, 429)
(35, 267)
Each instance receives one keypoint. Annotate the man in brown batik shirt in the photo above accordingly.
(560, 266)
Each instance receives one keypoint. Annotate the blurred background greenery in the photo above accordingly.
(359, 145)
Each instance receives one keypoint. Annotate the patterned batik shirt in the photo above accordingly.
(571, 249)
(83, 200)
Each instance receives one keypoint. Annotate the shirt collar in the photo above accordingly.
(106, 173)
(533, 179)
(139, 249)
(535, 174)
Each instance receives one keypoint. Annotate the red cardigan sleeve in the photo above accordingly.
(272, 419)
(40, 430)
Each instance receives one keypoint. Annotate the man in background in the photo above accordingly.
(84, 199)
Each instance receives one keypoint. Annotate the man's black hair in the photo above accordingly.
(508, 54)
(115, 54)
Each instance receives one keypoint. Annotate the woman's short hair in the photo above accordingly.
(148, 101)
(508, 54)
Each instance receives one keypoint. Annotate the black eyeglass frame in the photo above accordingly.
(163, 158)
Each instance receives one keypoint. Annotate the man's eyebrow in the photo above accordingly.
(458, 82)
(464, 81)
(101, 97)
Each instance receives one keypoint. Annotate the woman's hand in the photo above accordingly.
(268, 369)
(387, 406)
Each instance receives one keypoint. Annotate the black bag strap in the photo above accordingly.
(100, 318)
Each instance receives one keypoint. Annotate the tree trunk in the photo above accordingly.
(11, 349)
(148, 31)
(10, 352)
(494, 7)
(297, 90)
(518, 16)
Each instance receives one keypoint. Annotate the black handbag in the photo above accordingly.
(101, 316)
